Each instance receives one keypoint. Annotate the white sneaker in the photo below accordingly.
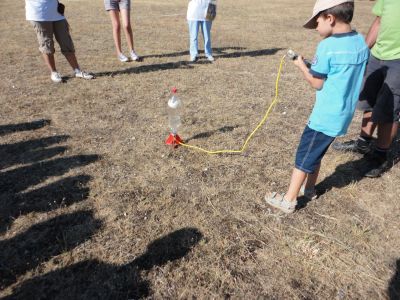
(193, 58)
(122, 58)
(83, 74)
(210, 58)
(56, 77)
(134, 56)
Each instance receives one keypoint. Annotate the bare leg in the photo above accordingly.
(386, 134)
(296, 182)
(114, 15)
(71, 58)
(50, 62)
(367, 126)
(126, 21)
(312, 179)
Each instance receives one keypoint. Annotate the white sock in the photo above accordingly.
(77, 71)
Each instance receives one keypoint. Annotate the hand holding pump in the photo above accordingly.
(293, 56)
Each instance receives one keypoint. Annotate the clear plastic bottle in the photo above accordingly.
(174, 112)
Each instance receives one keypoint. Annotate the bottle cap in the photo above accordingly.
(174, 90)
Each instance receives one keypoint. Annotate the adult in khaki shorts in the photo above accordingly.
(48, 22)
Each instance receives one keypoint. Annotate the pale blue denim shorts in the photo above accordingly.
(117, 5)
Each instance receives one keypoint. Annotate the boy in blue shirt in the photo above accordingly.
(336, 73)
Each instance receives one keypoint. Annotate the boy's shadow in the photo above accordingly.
(394, 285)
(344, 174)
(43, 241)
(93, 279)
(348, 173)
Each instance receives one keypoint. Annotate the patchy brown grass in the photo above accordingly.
(94, 206)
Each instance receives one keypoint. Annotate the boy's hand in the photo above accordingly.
(299, 62)
(315, 82)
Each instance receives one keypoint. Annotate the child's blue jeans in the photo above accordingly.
(194, 31)
(312, 148)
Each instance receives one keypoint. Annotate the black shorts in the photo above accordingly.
(381, 90)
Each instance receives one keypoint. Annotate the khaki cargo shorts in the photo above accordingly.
(60, 30)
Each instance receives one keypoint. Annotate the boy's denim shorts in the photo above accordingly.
(381, 90)
(312, 148)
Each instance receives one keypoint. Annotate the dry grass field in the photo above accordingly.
(93, 205)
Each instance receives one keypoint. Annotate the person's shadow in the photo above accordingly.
(94, 279)
(38, 164)
(394, 285)
(11, 128)
(344, 174)
(184, 64)
(43, 241)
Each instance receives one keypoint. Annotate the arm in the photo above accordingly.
(373, 32)
(315, 82)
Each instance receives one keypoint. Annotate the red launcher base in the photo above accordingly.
(173, 140)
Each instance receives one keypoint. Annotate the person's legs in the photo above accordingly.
(367, 126)
(64, 39)
(116, 29)
(296, 182)
(193, 38)
(312, 148)
(373, 81)
(386, 115)
(44, 33)
(49, 61)
(312, 179)
(386, 133)
(126, 21)
(206, 30)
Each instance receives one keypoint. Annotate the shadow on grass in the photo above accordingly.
(394, 284)
(212, 132)
(35, 164)
(30, 151)
(19, 179)
(11, 128)
(217, 53)
(221, 50)
(153, 68)
(93, 279)
(43, 241)
(348, 173)
(61, 193)
(344, 174)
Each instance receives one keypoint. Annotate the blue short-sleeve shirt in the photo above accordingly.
(340, 59)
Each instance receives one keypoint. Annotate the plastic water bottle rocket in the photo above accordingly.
(174, 119)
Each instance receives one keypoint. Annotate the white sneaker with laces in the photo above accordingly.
(122, 58)
(83, 74)
(134, 56)
(56, 77)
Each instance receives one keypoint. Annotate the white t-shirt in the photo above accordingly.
(42, 10)
(197, 10)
